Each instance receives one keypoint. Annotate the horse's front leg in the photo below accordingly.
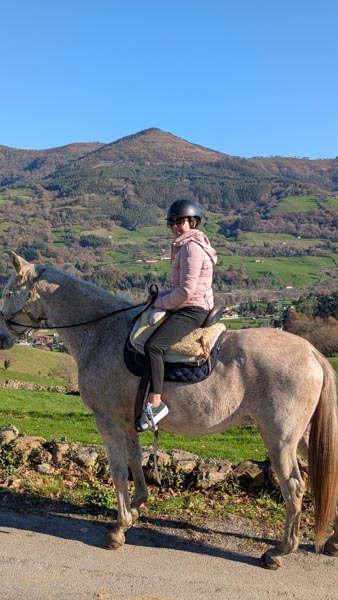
(135, 464)
(114, 438)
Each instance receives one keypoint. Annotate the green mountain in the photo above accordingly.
(98, 209)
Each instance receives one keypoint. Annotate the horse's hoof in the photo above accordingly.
(331, 547)
(114, 540)
(270, 560)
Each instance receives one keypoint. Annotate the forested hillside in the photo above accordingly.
(98, 210)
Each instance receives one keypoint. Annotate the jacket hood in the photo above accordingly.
(200, 238)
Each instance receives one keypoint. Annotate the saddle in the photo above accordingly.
(194, 348)
(190, 360)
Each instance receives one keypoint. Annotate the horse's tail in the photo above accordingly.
(323, 453)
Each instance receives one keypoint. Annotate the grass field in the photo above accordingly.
(299, 271)
(279, 239)
(127, 247)
(302, 272)
(128, 250)
(62, 416)
(37, 366)
(54, 416)
(51, 415)
(305, 203)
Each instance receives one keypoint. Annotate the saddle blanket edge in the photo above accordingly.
(175, 372)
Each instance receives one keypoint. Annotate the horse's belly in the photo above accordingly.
(207, 426)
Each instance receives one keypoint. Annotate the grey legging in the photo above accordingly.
(176, 325)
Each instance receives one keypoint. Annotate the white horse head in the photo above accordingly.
(20, 297)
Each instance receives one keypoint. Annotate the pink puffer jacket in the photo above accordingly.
(192, 261)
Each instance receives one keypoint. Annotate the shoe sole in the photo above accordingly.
(161, 415)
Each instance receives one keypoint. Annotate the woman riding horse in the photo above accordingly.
(189, 300)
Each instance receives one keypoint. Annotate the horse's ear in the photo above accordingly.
(19, 263)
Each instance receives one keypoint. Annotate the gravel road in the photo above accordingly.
(50, 555)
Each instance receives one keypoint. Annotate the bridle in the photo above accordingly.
(24, 310)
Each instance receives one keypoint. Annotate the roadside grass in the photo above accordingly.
(263, 509)
(221, 503)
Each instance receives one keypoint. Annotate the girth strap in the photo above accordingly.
(142, 394)
(141, 398)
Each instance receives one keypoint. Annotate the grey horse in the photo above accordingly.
(268, 377)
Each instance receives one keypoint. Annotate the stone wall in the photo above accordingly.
(35, 387)
(177, 468)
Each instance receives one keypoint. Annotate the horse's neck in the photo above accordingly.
(69, 301)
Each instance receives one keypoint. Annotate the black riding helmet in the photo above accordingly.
(184, 208)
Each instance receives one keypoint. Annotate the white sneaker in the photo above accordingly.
(151, 416)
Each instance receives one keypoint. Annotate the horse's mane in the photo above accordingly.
(76, 284)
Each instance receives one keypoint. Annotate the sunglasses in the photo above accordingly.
(179, 221)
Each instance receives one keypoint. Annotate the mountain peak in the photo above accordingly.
(155, 146)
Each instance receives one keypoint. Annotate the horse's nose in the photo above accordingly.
(6, 342)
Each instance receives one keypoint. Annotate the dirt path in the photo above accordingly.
(49, 555)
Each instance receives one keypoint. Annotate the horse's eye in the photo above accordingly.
(9, 294)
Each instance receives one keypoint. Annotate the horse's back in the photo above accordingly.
(271, 350)
(261, 375)
(281, 376)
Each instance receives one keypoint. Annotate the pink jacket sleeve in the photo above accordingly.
(191, 261)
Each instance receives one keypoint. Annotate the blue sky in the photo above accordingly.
(247, 77)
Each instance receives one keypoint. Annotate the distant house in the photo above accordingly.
(230, 313)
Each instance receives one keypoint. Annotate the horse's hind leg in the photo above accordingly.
(284, 462)
(331, 545)
(114, 438)
(135, 464)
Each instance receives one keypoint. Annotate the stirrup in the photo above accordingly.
(148, 420)
(151, 416)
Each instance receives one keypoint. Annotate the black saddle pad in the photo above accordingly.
(179, 372)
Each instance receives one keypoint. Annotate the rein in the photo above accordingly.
(111, 314)
(153, 292)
